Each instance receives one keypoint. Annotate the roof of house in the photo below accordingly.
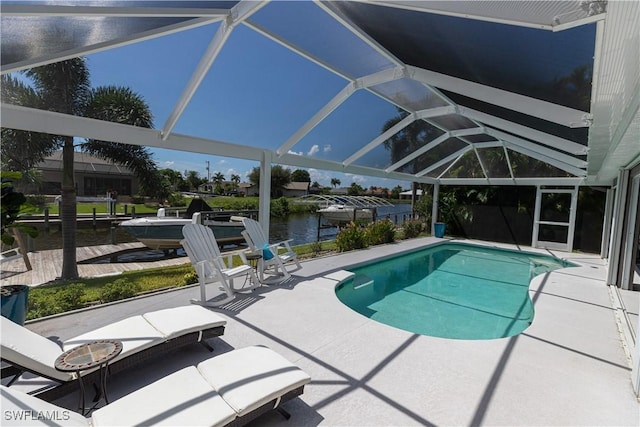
(301, 186)
(86, 163)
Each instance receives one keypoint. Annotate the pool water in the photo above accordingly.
(450, 290)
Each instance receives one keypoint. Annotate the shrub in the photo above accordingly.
(280, 207)
(37, 200)
(316, 248)
(380, 232)
(189, 278)
(53, 301)
(176, 200)
(412, 228)
(117, 290)
(70, 297)
(137, 199)
(351, 237)
(423, 207)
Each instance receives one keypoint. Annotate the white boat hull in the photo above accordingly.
(166, 232)
(337, 214)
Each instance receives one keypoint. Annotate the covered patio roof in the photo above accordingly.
(490, 92)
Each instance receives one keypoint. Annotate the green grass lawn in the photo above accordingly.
(61, 297)
(101, 208)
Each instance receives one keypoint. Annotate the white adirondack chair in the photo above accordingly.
(201, 246)
(273, 259)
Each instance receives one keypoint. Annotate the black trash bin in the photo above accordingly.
(14, 302)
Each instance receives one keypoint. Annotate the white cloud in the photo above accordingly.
(229, 172)
(358, 179)
(298, 153)
(326, 148)
(168, 164)
(322, 177)
(313, 150)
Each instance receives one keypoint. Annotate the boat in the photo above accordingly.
(340, 214)
(165, 232)
(339, 210)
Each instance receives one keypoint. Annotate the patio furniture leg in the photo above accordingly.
(206, 345)
(284, 413)
(203, 291)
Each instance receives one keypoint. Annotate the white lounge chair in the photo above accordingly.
(274, 256)
(143, 337)
(201, 246)
(233, 388)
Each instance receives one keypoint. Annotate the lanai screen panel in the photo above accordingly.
(31, 38)
(551, 66)
(356, 122)
(524, 166)
(433, 156)
(311, 30)
(453, 122)
(404, 143)
(546, 13)
(409, 95)
(494, 161)
(467, 166)
(578, 135)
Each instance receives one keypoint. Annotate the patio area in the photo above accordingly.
(569, 368)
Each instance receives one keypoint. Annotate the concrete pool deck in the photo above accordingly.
(569, 368)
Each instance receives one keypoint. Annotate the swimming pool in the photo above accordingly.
(451, 290)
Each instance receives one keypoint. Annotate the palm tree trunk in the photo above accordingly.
(68, 213)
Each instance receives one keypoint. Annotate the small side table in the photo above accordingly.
(86, 356)
(253, 258)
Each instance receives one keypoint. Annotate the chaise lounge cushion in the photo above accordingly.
(251, 377)
(30, 350)
(177, 321)
(24, 348)
(21, 409)
(135, 333)
(180, 399)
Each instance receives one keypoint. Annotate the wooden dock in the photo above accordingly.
(47, 265)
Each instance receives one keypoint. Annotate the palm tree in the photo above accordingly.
(64, 87)
(235, 179)
(280, 177)
(335, 182)
(193, 179)
(218, 178)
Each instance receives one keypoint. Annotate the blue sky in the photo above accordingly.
(256, 93)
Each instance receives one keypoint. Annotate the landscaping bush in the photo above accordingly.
(137, 199)
(316, 248)
(380, 232)
(351, 237)
(189, 278)
(53, 301)
(280, 207)
(412, 228)
(177, 200)
(37, 200)
(71, 297)
(118, 289)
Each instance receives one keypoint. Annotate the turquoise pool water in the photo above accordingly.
(450, 290)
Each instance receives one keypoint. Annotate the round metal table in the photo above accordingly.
(87, 356)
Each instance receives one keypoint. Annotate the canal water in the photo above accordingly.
(303, 228)
(300, 229)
